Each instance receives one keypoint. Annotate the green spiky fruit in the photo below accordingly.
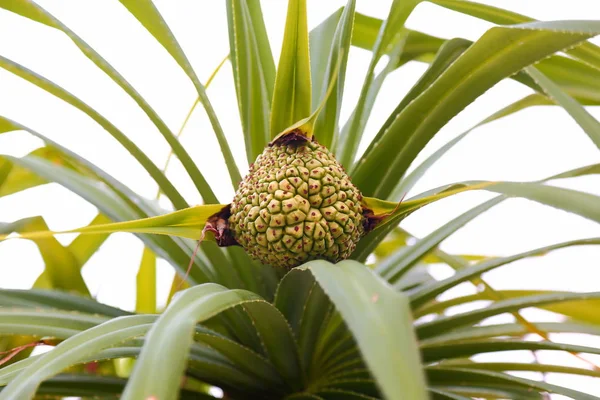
(297, 204)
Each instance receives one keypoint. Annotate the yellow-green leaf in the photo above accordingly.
(145, 300)
(187, 223)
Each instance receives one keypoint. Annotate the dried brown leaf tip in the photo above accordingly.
(218, 224)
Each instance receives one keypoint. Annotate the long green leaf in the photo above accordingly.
(444, 324)
(186, 223)
(407, 183)
(177, 252)
(460, 349)
(253, 72)
(587, 122)
(41, 298)
(499, 53)
(465, 376)
(292, 94)
(587, 52)
(427, 293)
(516, 330)
(585, 311)
(447, 54)
(390, 33)
(306, 308)
(71, 351)
(163, 357)
(396, 265)
(330, 45)
(370, 307)
(507, 366)
(52, 88)
(147, 14)
(578, 78)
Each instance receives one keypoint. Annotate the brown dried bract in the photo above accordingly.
(294, 137)
(371, 220)
(218, 224)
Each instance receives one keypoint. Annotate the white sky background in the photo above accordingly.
(530, 145)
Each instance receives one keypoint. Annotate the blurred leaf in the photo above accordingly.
(14, 179)
(579, 79)
(62, 270)
(292, 93)
(421, 296)
(73, 351)
(145, 301)
(396, 265)
(95, 386)
(516, 330)
(41, 298)
(488, 378)
(147, 14)
(582, 310)
(446, 323)
(52, 88)
(453, 91)
(327, 45)
(253, 71)
(46, 323)
(84, 246)
(507, 366)
(113, 205)
(369, 306)
(459, 349)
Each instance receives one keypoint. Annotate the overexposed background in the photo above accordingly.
(532, 144)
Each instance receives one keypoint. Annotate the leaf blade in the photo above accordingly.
(352, 287)
(292, 93)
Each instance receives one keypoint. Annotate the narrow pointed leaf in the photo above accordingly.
(587, 122)
(493, 57)
(467, 377)
(390, 34)
(147, 14)
(187, 223)
(41, 298)
(429, 292)
(292, 94)
(338, 46)
(585, 310)
(447, 54)
(407, 183)
(587, 52)
(443, 324)
(54, 89)
(72, 351)
(253, 72)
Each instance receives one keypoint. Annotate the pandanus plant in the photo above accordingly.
(278, 300)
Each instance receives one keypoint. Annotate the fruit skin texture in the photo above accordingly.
(297, 204)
